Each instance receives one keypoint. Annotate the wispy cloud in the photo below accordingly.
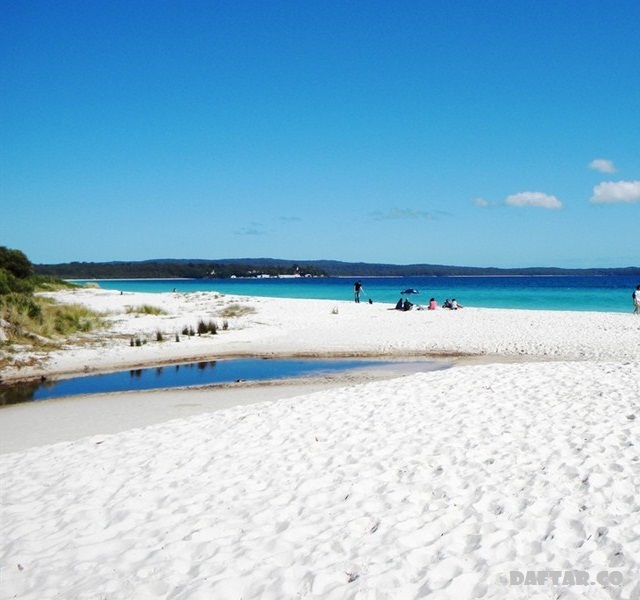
(603, 165)
(611, 192)
(403, 213)
(482, 203)
(289, 219)
(536, 199)
(252, 229)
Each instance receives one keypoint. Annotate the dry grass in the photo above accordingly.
(41, 321)
(144, 309)
(236, 310)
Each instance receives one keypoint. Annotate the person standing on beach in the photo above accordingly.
(357, 288)
(636, 300)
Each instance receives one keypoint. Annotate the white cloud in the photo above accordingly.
(480, 202)
(609, 192)
(603, 165)
(537, 199)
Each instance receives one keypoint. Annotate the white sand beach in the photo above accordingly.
(522, 457)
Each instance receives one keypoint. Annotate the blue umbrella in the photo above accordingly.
(409, 291)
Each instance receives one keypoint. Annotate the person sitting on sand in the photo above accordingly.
(433, 304)
(455, 305)
(636, 300)
(447, 303)
(399, 304)
(407, 305)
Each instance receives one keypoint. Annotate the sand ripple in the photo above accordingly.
(435, 485)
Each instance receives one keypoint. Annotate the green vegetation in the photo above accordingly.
(145, 309)
(210, 327)
(66, 319)
(255, 267)
(30, 319)
(170, 269)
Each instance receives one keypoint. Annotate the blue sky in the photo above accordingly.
(470, 133)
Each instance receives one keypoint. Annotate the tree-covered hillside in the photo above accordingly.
(255, 267)
(168, 268)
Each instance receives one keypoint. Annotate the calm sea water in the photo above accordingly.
(592, 293)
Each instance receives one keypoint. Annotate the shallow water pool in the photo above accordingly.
(186, 375)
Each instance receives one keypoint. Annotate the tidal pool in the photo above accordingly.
(189, 374)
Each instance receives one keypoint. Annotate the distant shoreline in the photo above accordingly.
(272, 267)
(98, 279)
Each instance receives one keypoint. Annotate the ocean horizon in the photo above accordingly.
(600, 293)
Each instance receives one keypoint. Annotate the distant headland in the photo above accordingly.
(273, 267)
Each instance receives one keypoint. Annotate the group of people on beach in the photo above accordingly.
(405, 303)
(433, 304)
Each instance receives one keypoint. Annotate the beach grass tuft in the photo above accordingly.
(207, 327)
(236, 310)
(29, 319)
(40, 320)
(144, 309)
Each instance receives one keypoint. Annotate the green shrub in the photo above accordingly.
(10, 284)
(15, 262)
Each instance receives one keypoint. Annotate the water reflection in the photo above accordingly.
(18, 393)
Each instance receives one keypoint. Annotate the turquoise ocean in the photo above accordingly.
(574, 293)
